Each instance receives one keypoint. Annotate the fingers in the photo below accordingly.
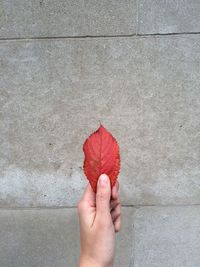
(115, 190)
(116, 212)
(103, 196)
(116, 217)
(114, 203)
(115, 208)
(115, 196)
(117, 223)
(107, 201)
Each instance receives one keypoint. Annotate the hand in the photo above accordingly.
(99, 219)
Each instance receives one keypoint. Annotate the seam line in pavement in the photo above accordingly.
(73, 207)
(99, 36)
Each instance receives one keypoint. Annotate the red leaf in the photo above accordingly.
(101, 156)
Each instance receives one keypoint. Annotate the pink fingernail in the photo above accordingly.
(103, 179)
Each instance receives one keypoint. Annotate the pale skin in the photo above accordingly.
(99, 219)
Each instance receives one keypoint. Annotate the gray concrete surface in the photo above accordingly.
(49, 18)
(145, 90)
(168, 16)
(50, 237)
(138, 75)
(167, 236)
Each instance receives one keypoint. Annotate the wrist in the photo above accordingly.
(86, 262)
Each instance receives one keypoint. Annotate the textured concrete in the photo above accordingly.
(171, 16)
(39, 238)
(144, 90)
(49, 238)
(167, 237)
(49, 18)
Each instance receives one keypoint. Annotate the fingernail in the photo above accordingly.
(103, 179)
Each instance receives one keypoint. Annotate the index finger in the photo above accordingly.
(115, 191)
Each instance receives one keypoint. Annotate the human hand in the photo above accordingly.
(99, 219)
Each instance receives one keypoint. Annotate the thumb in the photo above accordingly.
(103, 195)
